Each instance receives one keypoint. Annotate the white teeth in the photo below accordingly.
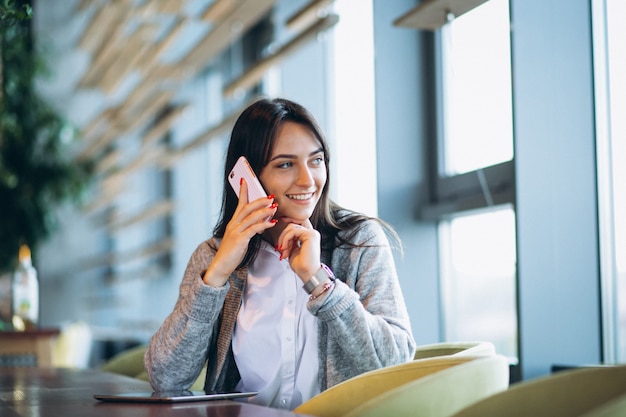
(300, 196)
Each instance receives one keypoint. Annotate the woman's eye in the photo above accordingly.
(318, 161)
(285, 165)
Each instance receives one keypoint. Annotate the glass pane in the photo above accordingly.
(353, 96)
(478, 121)
(616, 13)
(478, 258)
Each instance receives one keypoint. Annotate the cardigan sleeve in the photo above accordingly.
(364, 322)
(178, 350)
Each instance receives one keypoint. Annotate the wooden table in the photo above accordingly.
(37, 343)
(39, 392)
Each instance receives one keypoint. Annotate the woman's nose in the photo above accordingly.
(305, 178)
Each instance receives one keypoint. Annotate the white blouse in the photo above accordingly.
(275, 337)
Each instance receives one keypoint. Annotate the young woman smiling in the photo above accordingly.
(292, 294)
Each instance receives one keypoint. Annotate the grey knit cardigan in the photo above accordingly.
(363, 321)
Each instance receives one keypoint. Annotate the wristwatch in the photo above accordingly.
(323, 275)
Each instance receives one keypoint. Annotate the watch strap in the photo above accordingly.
(323, 275)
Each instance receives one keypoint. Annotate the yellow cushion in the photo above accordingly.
(346, 396)
(566, 393)
(442, 393)
(613, 408)
(470, 348)
(128, 362)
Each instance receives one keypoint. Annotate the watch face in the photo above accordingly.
(323, 275)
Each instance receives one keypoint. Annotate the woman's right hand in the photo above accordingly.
(248, 220)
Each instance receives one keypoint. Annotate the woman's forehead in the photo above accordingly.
(291, 137)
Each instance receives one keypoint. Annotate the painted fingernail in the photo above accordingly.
(273, 206)
(240, 180)
(274, 221)
(271, 197)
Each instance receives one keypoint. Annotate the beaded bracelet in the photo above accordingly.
(327, 286)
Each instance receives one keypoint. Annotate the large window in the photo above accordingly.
(478, 254)
(610, 62)
(474, 199)
(478, 121)
(617, 67)
(352, 92)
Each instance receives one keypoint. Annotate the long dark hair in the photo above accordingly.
(253, 136)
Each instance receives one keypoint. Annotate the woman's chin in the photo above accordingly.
(298, 218)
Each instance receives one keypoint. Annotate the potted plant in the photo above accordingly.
(37, 168)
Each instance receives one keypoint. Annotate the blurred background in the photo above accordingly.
(484, 131)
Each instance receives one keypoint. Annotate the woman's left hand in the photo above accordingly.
(300, 243)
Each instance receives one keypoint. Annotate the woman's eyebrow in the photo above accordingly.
(290, 156)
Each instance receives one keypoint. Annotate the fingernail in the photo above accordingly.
(274, 221)
(240, 180)
(271, 197)
(273, 206)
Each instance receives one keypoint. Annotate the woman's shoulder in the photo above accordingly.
(211, 243)
(206, 248)
(361, 229)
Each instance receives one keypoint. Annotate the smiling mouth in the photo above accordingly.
(300, 197)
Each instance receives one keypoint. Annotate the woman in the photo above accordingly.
(257, 301)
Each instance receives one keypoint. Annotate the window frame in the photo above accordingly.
(482, 188)
(487, 188)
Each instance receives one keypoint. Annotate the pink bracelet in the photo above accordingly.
(327, 286)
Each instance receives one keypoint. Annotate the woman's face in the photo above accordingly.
(296, 172)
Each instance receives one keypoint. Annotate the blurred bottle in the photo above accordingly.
(25, 293)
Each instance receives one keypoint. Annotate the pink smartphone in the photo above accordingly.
(242, 169)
